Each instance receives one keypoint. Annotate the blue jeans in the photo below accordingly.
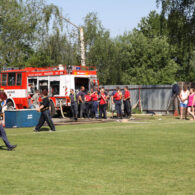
(74, 109)
(4, 137)
(95, 108)
(118, 107)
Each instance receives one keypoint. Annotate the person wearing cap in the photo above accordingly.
(74, 104)
(103, 104)
(5, 139)
(117, 98)
(45, 113)
(94, 97)
(88, 104)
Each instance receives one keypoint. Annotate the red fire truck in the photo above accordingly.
(20, 83)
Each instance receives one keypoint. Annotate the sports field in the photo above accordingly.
(148, 156)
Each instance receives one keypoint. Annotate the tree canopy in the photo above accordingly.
(160, 50)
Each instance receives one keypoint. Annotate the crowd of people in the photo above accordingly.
(94, 103)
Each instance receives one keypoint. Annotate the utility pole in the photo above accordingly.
(82, 42)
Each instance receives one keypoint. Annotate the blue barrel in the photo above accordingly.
(21, 118)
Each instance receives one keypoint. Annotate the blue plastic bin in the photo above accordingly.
(21, 118)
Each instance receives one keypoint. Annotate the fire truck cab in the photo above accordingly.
(20, 84)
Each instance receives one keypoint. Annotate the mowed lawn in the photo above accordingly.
(143, 157)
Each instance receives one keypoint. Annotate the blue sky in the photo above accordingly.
(117, 16)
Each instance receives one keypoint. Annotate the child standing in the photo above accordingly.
(191, 102)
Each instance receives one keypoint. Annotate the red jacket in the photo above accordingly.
(102, 99)
(87, 98)
(117, 96)
(94, 96)
(127, 94)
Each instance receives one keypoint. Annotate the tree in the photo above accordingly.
(100, 49)
(23, 25)
(146, 61)
(150, 25)
(180, 16)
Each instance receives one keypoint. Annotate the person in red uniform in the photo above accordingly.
(127, 103)
(103, 104)
(88, 104)
(117, 99)
(94, 97)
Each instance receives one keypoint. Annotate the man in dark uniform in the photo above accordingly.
(81, 98)
(4, 138)
(45, 113)
(174, 99)
(74, 104)
(127, 103)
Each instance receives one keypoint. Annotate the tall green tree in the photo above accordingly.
(23, 25)
(180, 16)
(146, 61)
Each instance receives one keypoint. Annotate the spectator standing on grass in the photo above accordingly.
(4, 138)
(113, 109)
(74, 104)
(94, 97)
(174, 98)
(191, 102)
(88, 104)
(81, 98)
(103, 104)
(127, 102)
(117, 98)
(45, 113)
(183, 98)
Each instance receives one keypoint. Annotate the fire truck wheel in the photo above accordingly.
(52, 109)
(10, 105)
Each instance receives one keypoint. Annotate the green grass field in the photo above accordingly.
(142, 157)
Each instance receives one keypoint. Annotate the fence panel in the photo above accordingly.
(152, 97)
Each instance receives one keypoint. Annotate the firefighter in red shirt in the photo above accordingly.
(103, 104)
(88, 104)
(117, 99)
(127, 103)
(94, 97)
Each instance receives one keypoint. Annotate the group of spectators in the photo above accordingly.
(94, 103)
(187, 102)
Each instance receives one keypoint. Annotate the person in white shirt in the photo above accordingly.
(183, 98)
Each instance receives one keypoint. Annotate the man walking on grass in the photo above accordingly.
(4, 138)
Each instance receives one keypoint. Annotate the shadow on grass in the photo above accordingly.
(44, 129)
(3, 148)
